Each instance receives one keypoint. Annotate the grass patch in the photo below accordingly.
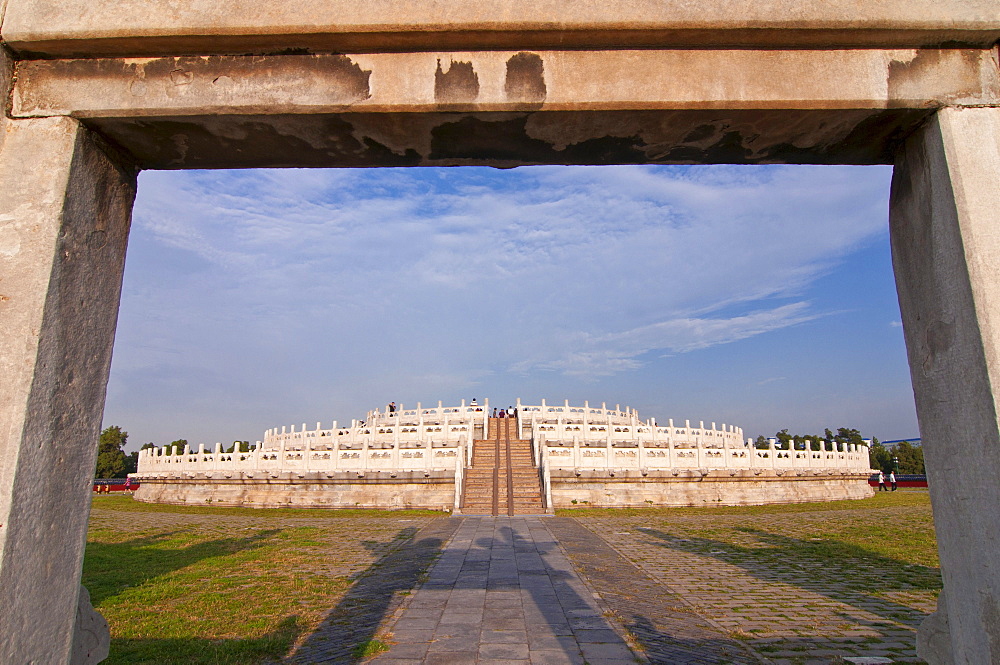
(369, 648)
(123, 503)
(240, 590)
(883, 547)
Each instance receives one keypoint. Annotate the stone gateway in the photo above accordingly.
(97, 90)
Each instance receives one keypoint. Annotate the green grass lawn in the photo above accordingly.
(896, 526)
(176, 587)
(221, 586)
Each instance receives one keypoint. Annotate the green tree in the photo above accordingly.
(784, 439)
(244, 447)
(911, 458)
(762, 443)
(111, 462)
(176, 447)
(132, 462)
(846, 435)
(879, 457)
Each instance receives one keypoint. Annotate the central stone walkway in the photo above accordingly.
(503, 591)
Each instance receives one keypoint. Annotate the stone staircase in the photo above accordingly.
(503, 478)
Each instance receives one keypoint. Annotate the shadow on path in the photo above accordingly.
(665, 627)
(846, 573)
(374, 597)
(503, 592)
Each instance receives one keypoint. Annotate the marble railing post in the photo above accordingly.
(64, 216)
(946, 253)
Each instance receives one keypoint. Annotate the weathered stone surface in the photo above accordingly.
(91, 637)
(435, 491)
(507, 81)
(714, 488)
(92, 27)
(946, 252)
(934, 636)
(64, 218)
(513, 139)
(506, 108)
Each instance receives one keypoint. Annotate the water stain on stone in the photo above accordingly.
(952, 75)
(525, 80)
(459, 84)
(342, 79)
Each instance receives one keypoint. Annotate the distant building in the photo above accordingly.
(891, 445)
(541, 457)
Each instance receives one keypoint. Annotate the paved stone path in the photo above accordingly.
(562, 590)
(755, 578)
(504, 592)
(662, 623)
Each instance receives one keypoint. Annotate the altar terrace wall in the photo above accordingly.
(104, 89)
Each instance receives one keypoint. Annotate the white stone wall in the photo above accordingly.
(565, 437)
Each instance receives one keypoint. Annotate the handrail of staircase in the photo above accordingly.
(546, 476)
(459, 480)
(538, 454)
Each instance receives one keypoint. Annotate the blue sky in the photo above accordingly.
(760, 296)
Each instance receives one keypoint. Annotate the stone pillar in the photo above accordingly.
(65, 207)
(945, 227)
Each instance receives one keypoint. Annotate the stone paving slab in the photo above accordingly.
(753, 581)
(503, 591)
(662, 623)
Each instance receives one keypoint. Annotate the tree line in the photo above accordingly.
(903, 458)
(113, 462)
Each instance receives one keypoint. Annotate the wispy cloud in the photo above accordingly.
(453, 276)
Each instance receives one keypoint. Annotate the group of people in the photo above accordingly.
(509, 412)
(105, 488)
(881, 481)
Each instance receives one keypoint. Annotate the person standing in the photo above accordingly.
(881, 481)
(892, 480)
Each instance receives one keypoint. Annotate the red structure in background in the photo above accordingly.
(902, 480)
(113, 485)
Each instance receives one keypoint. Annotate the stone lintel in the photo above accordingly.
(500, 81)
(508, 109)
(61, 28)
(855, 136)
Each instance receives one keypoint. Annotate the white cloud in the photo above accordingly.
(450, 277)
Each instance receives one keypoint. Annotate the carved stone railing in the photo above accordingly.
(305, 457)
(834, 459)
(565, 437)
